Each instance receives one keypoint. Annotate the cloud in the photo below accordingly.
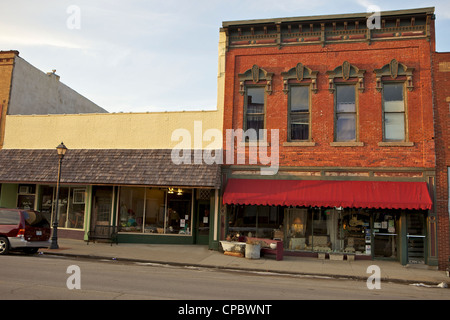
(16, 37)
(150, 55)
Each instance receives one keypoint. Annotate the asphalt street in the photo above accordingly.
(46, 277)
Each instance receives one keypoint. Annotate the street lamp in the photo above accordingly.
(61, 149)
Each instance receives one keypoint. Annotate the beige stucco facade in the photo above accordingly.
(159, 130)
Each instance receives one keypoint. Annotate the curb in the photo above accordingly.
(246, 270)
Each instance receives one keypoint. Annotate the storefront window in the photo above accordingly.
(154, 211)
(46, 201)
(75, 214)
(356, 231)
(143, 210)
(254, 221)
(62, 204)
(131, 210)
(179, 212)
(72, 201)
(322, 228)
(26, 196)
(344, 230)
(296, 222)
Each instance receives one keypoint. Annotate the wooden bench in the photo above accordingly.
(265, 246)
(103, 232)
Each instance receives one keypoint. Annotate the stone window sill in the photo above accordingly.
(396, 144)
(260, 143)
(299, 144)
(347, 144)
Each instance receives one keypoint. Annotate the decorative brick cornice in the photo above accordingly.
(322, 30)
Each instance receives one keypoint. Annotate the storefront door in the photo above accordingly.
(385, 235)
(101, 206)
(416, 237)
(203, 222)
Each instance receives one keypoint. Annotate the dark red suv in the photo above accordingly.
(23, 230)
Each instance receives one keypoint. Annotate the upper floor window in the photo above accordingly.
(254, 111)
(392, 80)
(299, 113)
(254, 84)
(344, 81)
(394, 112)
(298, 83)
(345, 113)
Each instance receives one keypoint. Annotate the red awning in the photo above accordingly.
(322, 193)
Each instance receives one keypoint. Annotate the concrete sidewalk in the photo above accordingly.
(201, 256)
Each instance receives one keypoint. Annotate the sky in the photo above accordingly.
(148, 55)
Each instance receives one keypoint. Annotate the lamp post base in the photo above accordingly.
(54, 243)
(54, 246)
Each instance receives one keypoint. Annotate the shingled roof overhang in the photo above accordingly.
(106, 167)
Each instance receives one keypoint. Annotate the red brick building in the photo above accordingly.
(348, 107)
(441, 73)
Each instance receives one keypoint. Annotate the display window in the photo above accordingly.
(131, 209)
(46, 197)
(254, 221)
(356, 231)
(155, 210)
(72, 202)
(26, 196)
(304, 229)
(359, 231)
(179, 212)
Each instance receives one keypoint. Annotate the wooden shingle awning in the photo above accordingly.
(148, 167)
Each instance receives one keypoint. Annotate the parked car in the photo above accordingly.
(23, 230)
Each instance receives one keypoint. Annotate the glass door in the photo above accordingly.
(385, 234)
(203, 222)
(101, 206)
(416, 237)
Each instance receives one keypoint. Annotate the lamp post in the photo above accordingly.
(61, 149)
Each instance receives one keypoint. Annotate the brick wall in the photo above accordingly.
(412, 53)
(6, 69)
(441, 72)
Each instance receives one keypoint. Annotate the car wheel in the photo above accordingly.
(30, 250)
(4, 246)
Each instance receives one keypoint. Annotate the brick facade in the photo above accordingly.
(6, 71)
(414, 53)
(326, 45)
(441, 72)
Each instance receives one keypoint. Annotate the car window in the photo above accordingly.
(9, 217)
(35, 219)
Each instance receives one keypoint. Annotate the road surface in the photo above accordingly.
(52, 278)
